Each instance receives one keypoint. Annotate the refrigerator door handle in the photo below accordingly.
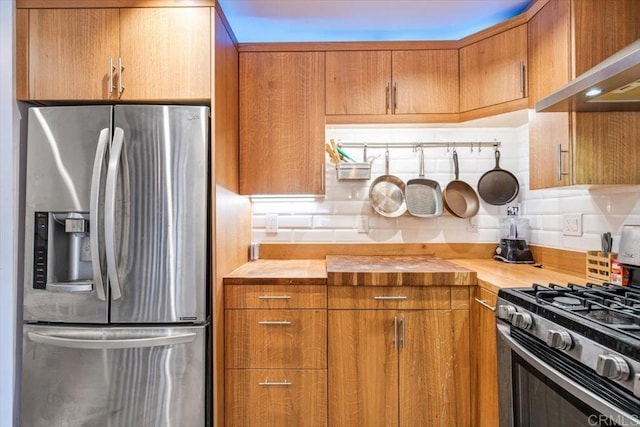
(93, 344)
(94, 206)
(110, 212)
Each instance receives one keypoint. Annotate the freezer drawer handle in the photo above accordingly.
(275, 383)
(111, 344)
(274, 322)
(79, 286)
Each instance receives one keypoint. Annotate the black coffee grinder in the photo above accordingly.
(513, 247)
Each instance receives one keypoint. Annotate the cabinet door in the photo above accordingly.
(363, 368)
(282, 123)
(358, 82)
(549, 69)
(492, 70)
(166, 53)
(69, 51)
(425, 81)
(484, 361)
(430, 384)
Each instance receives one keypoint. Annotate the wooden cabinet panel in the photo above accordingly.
(275, 296)
(282, 123)
(69, 51)
(484, 361)
(22, 54)
(491, 70)
(392, 82)
(425, 81)
(429, 390)
(276, 339)
(363, 369)
(166, 53)
(301, 403)
(389, 297)
(357, 82)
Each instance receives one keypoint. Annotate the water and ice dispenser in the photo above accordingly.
(62, 252)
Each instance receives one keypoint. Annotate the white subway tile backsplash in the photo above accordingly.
(333, 218)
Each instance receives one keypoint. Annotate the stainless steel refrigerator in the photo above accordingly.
(115, 297)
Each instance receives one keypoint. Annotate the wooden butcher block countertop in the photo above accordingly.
(495, 275)
(279, 272)
(347, 270)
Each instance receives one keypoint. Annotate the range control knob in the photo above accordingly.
(522, 320)
(612, 367)
(559, 339)
(505, 312)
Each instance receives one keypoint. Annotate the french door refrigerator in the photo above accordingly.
(115, 297)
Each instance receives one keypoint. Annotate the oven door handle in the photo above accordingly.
(567, 384)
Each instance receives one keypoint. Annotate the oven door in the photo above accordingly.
(540, 386)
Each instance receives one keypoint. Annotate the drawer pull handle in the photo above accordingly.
(392, 298)
(275, 383)
(274, 322)
(484, 304)
(274, 297)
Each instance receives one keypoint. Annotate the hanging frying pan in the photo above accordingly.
(424, 196)
(386, 193)
(460, 198)
(498, 186)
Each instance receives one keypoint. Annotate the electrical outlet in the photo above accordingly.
(362, 224)
(271, 221)
(572, 225)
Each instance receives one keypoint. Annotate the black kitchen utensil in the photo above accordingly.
(498, 186)
(460, 198)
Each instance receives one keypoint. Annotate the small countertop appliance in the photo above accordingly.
(513, 247)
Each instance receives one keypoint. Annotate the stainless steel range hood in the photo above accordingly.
(612, 85)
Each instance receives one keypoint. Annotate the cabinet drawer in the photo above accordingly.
(275, 296)
(389, 297)
(276, 339)
(275, 397)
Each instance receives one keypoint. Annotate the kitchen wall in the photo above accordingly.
(335, 217)
(8, 213)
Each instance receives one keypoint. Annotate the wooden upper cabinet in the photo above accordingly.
(493, 70)
(69, 52)
(358, 82)
(425, 81)
(566, 38)
(282, 123)
(74, 54)
(392, 82)
(166, 53)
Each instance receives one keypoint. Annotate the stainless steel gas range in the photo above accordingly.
(570, 355)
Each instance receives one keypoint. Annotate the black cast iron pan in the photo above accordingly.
(498, 186)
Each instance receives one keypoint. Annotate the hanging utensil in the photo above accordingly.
(424, 196)
(498, 186)
(459, 198)
(387, 193)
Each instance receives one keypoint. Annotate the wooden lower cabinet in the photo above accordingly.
(275, 355)
(398, 368)
(484, 363)
(276, 397)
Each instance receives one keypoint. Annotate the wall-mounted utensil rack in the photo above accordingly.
(416, 145)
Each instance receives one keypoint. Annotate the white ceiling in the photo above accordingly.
(364, 20)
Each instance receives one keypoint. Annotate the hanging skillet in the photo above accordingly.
(498, 186)
(424, 196)
(387, 193)
(460, 198)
